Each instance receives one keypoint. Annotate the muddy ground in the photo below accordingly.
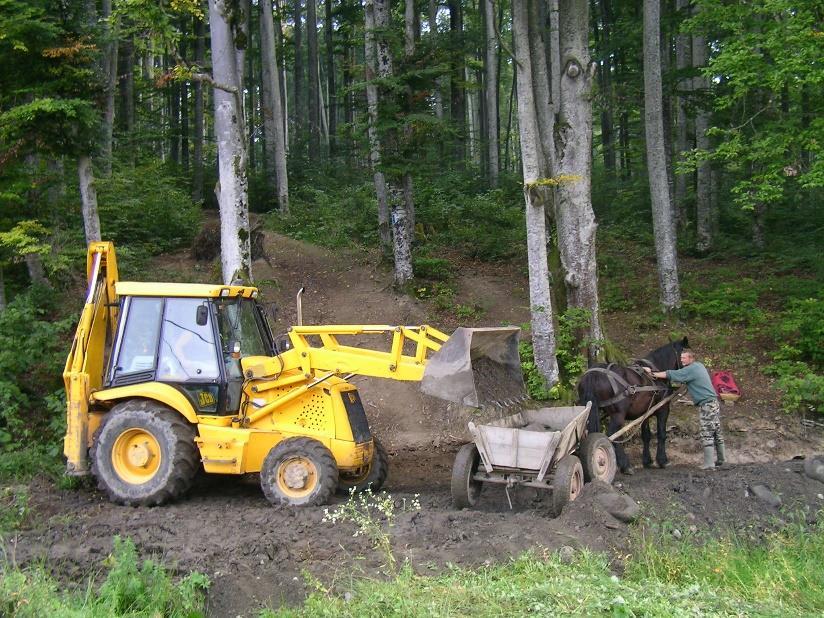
(256, 554)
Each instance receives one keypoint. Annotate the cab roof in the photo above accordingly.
(186, 290)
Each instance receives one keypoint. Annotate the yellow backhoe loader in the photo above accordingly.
(164, 378)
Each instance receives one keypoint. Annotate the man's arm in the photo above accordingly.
(660, 375)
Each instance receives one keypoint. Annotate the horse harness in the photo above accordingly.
(621, 387)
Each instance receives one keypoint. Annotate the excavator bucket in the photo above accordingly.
(477, 367)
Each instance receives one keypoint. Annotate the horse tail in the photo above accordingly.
(587, 393)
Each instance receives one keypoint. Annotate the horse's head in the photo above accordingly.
(668, 356)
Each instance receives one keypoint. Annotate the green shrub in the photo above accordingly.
(145, 208)
(730, 302)
(801, 328)
(800, 387)
(33, 347)
(436, 269)
(14, 506)
(131, 588)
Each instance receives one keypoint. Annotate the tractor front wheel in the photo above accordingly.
(299, 472)
(144, 454)
(372, 478)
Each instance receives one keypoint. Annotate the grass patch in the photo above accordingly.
(782, 574)
(131, 588)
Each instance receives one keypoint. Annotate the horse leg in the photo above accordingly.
(661, 429)
(646, 437)
(616, 421)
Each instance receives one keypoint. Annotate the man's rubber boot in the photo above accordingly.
(709, 458)
(721, 454)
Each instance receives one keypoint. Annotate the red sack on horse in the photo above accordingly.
(724, 384)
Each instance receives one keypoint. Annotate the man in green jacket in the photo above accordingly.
(699, 385)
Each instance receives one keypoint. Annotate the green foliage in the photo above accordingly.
(59, 126)
(32, 354)
(800, 386)
(801, 331)
(734, 302)
(14, 507)
(436, 269)
(145, 208)
(781, 575)
(131, 588)
(571, 355)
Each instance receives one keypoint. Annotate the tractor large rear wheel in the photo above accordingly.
(371, 478)
(144, 454)
(299, 472)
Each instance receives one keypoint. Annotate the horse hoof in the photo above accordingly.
(628, 471)
(648, 464)
(663, 465)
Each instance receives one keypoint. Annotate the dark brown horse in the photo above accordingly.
(626, 393)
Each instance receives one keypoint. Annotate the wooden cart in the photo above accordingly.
(548, 448)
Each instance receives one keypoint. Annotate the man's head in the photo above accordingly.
(687, 357)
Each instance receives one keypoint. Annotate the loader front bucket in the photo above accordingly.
(477, 367)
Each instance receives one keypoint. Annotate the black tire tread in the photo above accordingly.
(185, 460)
(466, 462)
(562, 482)
(310, 447)
(377, 475)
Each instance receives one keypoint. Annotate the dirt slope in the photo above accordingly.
(255, 553)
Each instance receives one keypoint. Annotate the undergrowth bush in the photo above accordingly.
(32, 354)
(735, 302)
(131, 588)
(146, 208)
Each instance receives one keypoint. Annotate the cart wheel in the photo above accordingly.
(567, 483)
(465, 490)
(598, 458)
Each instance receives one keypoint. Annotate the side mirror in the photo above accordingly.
(202, 315)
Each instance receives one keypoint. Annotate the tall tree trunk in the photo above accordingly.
(554, 54)
(110, 77)
(88, 198)
(605, 81)
(300, 96)
(703, 180)
(273, 126)
(250, 88)
(683, 58)
(491, 93)
(127, 97)
(457, 90)
(232, 190)
(573, 145)
(535, 197)
(3, 302)
(662, 212)
(174, 118)
(409, 51)
(370, 55)
(541, 90)
(314, 81)
(330, 77)
(197, 146)
(433, 30)
(401, 239)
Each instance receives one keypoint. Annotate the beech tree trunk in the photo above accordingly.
(110, 86)
(703, 179)
(300, 96)
(662, 212)
(330, 77)
(433, 30)
(401, 237)
(683, 58)
(491, 93)
(232, 188)
(541, 90)
(88, 198)
(197, 144)
(271, 109)
(535, 197)
(314, 80)
(573, 147)
(457, 90)
(370, 55)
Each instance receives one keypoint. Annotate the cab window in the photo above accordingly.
(187, 349)
(140, 337)
(239, 324)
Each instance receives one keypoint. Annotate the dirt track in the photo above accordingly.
(255, 554)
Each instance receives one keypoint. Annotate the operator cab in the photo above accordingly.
(193, 341)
